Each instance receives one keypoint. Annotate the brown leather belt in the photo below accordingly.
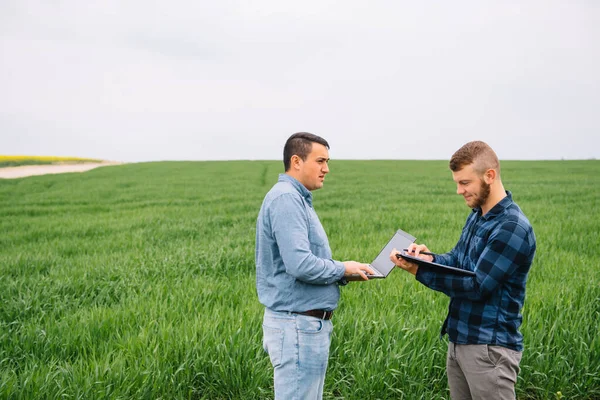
(322, 314)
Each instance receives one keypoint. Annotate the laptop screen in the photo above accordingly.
(400, 240)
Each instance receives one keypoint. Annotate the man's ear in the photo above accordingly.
(489, 176)
(295, 162)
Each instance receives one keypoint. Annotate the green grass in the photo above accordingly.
(137, 281)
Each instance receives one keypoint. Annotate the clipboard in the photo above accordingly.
(439, 267)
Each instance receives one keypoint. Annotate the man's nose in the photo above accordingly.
(325, 168)
(459, 189)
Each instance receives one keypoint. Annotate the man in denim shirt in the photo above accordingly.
(296, 278)
(483, 319)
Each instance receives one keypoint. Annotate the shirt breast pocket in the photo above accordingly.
(316, 234)
(477, 246)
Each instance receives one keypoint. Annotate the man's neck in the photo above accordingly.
(296, 177)
(497, 193)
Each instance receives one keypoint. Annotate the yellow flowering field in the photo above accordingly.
(17, 160)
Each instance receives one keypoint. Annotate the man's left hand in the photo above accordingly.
(402, 263)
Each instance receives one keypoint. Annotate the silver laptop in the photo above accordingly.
(382, 264)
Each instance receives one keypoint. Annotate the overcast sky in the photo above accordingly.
(217, 80)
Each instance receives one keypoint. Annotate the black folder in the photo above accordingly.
(435, 266)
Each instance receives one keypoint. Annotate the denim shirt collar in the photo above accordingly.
(498, 208)
(304, 192)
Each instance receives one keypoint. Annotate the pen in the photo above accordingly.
(423, 252)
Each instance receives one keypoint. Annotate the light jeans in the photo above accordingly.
(298, 346)
(481, 371)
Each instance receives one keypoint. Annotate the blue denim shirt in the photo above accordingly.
(294, 268)
(486, 309)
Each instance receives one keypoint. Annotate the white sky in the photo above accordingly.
(214, 80)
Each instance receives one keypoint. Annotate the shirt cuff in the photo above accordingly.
(424, 276)
(342, 271)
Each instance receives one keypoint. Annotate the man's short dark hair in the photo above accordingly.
(300, 144)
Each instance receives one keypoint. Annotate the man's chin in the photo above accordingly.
(474, 204)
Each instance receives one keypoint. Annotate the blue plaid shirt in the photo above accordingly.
(485, 309)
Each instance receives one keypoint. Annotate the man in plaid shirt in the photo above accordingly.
(498, 244)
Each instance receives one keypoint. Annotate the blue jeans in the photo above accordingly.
(298, 346)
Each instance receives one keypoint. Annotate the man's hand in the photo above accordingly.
(413, 250)
(356, 271)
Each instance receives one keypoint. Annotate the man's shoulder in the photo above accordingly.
(281, 191)
(515, 215)
(516, 223)
(281, 188)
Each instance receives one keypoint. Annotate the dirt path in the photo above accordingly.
(31, 170)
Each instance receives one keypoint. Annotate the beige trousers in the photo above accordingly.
(481, 371)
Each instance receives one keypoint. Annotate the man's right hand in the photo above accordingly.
(356, 271)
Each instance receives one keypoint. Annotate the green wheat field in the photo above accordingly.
(137, 281)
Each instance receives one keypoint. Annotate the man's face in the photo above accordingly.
(313, 170)
(471, 186)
